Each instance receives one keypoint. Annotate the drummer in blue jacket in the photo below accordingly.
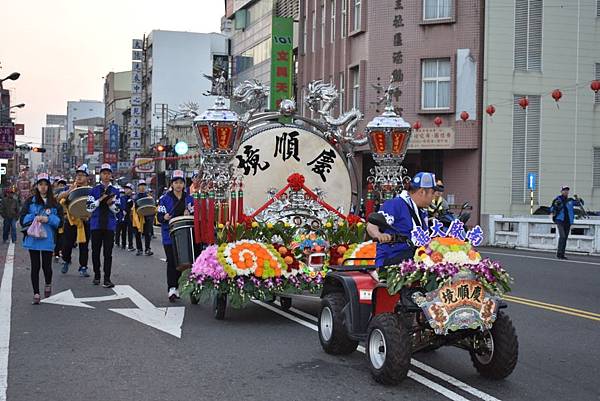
(142, 224)
(103, 203)
(43, 207)
(173, 203)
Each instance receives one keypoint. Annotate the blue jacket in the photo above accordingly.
(563, 209)
(30, 210)
(125, 205)
(397, 214)
(103, 216)
(167, 204)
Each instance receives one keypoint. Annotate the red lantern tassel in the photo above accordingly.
(370, 202)
(210, 223)
(233, 210)
(204, 214)
(198, 216)
(240, 204)
(224, 211)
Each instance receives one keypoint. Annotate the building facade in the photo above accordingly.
(117, 99)
(54, 136)
(432, 50)
(174, 64)
(81, 109)
(532, 48)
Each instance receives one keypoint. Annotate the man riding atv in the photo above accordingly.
(403, 214)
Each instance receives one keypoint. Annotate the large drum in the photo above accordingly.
(145, 206)
(76, 202)
(181, 231)
(267, 157)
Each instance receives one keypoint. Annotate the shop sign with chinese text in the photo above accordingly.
(432, 138)
(281, 60)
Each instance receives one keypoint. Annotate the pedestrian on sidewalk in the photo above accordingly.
(43, 207)
(563, 215)
(173, 204)
(103, 203)
(10, 212)
(76, 230)
(142, 224)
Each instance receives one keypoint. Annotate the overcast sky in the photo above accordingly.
(64, 48)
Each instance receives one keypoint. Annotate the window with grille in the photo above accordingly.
(437, 9)
(435, 84)
(597, 8)
(355, 77)
(525, 147)
(596, 169)
(357, 16)
(344, 31)
(342, 92)
(332, 27)
(528, 35)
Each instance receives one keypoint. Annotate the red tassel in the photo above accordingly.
(210, 223)
(197, 218)
(204, 213)
(370, 202)
(233, 210)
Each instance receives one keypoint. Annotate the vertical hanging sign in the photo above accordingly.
(137, 83)
(282, 71)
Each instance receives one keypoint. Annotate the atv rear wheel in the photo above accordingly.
(495, 351)
(332, 332)
(388, 348)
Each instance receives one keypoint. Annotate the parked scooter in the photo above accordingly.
(464, 215)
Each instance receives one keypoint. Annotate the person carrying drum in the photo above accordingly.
(44, 208)
(403, 214)
(174, 203)
(103, 203)
(76, 229)
(142, 224)
(60, 186)
(125, 228)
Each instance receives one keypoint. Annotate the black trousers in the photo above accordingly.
(563, 234)
(124, 234)
(69, 241)
(43, 260)
(172, 273)
(102, 239)
(148, 222)
(58, 243)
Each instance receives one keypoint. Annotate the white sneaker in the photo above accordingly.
(173, 294)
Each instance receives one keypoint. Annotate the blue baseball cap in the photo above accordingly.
(425, 180)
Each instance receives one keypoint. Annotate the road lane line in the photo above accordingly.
(542, 258)
(512, 297)
(566, 312)
(301, 313)
(415, 376)
(5, 309)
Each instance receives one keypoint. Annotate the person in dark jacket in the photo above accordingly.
(125, 231)
(103, 203)
(142, 224)
(60, 186)
(173, 204)
(563, 215)
(10, 212)
(42, 207)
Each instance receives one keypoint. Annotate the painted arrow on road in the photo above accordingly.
(168, 320)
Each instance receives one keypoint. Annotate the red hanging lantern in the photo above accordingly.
(595, 86)
(464, 116)
(490, 110)
(417, 125)
(523, 102)
(556, 94)
(438, 121)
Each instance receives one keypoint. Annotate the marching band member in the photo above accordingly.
(172, 204)
(142, 224)
(125, 231)
(44, 208)
(103, 203)
(60, 186)
(76, 230)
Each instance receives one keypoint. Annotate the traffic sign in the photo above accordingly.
(531, 179)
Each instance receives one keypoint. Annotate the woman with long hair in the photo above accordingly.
(43, 207)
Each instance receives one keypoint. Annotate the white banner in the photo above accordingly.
(136, 111)
(136, 88)
(136, 100)
(135, 122)
(135, 144)
(136, 133)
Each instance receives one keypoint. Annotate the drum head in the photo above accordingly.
(146, 211)
(267, 158)
(77, 208)
(181, 221)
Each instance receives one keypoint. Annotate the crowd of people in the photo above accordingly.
(51, 229)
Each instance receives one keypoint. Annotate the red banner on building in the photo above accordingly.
(90, 142)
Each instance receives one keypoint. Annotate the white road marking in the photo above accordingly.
(5, 309)
(541, 258)
(168, 320)
(415, 376)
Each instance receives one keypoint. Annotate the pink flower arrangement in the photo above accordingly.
(207, 266)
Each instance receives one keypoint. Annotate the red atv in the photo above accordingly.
(355, 307)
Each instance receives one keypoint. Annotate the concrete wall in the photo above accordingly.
(568, 133)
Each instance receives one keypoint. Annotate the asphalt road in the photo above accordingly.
(262, 353)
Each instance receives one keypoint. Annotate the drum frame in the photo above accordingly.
(183, 267)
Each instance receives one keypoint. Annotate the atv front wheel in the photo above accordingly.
(332, 332)
(495, 352)
(388, 348)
